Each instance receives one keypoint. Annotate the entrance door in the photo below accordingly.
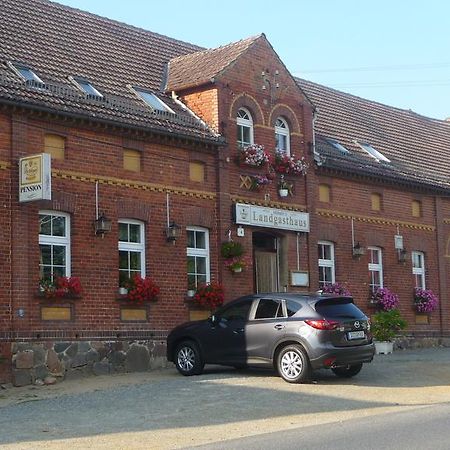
(265, 250)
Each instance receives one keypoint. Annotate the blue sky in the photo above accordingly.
(395, 52)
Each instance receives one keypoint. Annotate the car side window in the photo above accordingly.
(269, 308)
(237, 312)
(292, 307)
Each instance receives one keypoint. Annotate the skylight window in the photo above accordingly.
(153, 101)
(373, 153)
(87, 87)
(26, 73)
(338, 146)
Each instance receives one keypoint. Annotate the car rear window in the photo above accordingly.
(338, 307)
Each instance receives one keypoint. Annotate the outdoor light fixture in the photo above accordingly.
(358, 250)
(402, 255)
(173, 232)
(102, 225)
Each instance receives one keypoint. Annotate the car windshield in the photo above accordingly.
(338, 307)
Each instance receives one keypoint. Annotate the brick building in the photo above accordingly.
(142, 131)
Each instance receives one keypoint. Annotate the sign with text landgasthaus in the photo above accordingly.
(35, 178)
(281, 219)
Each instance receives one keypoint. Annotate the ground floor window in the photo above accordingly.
(326, 263)
(418, 269)
(198, 271)
(375, 268)
(131, 249)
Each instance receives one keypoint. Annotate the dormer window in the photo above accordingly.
(244, 127)
(375, 154)
(338, 146)
(152, 100)
(282, 141)
(87, 87)
(26, 73)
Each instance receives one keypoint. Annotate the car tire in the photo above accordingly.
(188, 360)
(293, 364)
(347, 371)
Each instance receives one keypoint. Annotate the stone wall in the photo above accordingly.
(50, 362)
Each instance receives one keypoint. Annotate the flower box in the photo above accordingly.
(59, 288)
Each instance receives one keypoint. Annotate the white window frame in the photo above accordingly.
(376, 267)
(151, 100)
(327, 262)
(31, 76)
(201, 252)
(374, 153)
(137, 247)
(63, 241)
(418, 270)
(245, 122)
(283, 130)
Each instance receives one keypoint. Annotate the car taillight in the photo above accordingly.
(323, 324)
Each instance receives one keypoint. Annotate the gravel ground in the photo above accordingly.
(163, 410)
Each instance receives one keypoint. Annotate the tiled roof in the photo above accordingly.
(56, 42)
(417, 146)
(200, 67)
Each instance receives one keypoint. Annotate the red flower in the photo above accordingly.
(142, 290)
(210, 295)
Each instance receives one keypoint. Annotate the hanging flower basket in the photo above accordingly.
(230, 249)
(237, 263)
(425, 300)
(252, 155)
(384, 299)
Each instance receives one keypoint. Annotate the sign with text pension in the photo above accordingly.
(281, 219)
(35, 178)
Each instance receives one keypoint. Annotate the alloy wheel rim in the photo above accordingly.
(291, 364)
(186, 358)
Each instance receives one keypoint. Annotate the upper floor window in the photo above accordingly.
(87, 87)
(375, 268)
(152, 100)
(131, 249)
(26, 73)
(197, 256)
(418, 269)
(326, 263)
(282, 141)
(244, 127)
(54, 145)
(132, 160)
(375, 154)
(54, 244)
(416, 208)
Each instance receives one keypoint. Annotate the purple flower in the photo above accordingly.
(336, 288)
(386, 299)
(425, 300)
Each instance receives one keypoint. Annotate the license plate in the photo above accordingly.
(356, 335)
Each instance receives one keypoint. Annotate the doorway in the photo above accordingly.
(266, 262)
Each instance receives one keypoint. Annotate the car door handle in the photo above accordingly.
(238, 330)
(279, 327)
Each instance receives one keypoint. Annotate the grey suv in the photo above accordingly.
(294, 333)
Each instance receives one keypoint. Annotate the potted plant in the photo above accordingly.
(237, 263)
(252, 155)
(425, 300)
(384, 299)
(230, 249)
(284, 188)
(336, 288)
(385, 325)
(60, 287)
(209, 295)
(141, 290)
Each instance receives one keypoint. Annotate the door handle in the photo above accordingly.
(238, 330)
(279, 327)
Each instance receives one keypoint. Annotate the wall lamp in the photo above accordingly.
(102, 225)
(402, 255)
(358, 250)
(173, 231)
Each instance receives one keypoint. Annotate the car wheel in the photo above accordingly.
(293, 364)
(188, 360)
(347, 371)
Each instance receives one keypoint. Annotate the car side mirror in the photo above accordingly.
(214, 319)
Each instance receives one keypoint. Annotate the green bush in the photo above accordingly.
(230, 249)
(386, 324)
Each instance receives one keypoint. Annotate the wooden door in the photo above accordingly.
(266, 271)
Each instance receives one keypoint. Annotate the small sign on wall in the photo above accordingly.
(35, 178)
(299, 278)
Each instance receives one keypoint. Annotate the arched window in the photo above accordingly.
(282, 141)
(244, 127)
